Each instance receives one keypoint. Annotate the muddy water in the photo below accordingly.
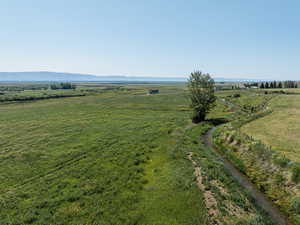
(261, 199)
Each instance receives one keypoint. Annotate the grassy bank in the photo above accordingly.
(273, 172)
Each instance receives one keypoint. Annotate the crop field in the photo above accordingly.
(115, 157)
(280, 129)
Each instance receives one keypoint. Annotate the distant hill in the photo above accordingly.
(46, 76)
(75, 77)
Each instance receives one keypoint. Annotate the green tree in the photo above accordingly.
(262, 85)
(280, 84)
(267, 85)
(201, 89)
(66, 85)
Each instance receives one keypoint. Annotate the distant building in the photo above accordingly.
(153, 91)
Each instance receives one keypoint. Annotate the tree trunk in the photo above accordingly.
(198, 117)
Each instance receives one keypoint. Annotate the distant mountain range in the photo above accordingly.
(75, 77)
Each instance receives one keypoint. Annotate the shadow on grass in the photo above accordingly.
(218, 121)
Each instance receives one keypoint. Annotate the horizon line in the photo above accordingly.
(135, 76)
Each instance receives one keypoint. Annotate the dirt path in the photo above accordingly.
(209, 200)
(261, 200)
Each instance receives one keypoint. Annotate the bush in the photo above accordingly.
(279, 179)
(296, 173)
(296, 204)
(282, 161)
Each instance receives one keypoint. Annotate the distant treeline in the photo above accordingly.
(38, 96)
(274, 84)
(36, 86)
(62, 86)
(23, 87)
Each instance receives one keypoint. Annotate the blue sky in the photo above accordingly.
(232, 38)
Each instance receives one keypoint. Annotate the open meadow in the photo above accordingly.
(281, 128)
(149, 113)
(118, 156)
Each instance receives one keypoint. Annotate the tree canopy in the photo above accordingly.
(202, 94)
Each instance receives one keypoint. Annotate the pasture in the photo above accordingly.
(264, 144)
(280, 129)
(84, 160)
(116, 156)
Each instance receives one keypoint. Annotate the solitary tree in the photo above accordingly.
(202, 94)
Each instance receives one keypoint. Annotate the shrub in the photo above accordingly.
(282, 161)
(236, 95)
(296, 204)
(279, 179)
(296, 173)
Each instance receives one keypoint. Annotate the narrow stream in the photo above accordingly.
(266, 204)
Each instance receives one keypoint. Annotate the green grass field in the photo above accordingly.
(114, 157)
(280, 129)
(265, 146)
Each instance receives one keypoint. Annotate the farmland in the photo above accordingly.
(262, 143)
(280, 129)
(117, 156)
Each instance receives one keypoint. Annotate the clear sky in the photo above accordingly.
(228, 38)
